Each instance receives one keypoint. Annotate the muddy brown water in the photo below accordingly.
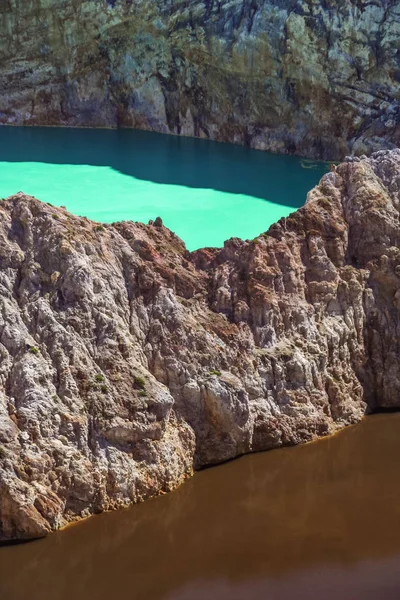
(320, 520)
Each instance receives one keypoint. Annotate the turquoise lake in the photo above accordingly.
(206, 192)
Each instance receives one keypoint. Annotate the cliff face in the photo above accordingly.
(126, 361)
(312, 77)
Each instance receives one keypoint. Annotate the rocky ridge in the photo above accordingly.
(318, 78)
(127, 362)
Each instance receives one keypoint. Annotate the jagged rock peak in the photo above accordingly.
(126, 361)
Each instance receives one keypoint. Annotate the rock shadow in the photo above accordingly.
(168, 159)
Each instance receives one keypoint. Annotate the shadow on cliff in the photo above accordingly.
(166, 159)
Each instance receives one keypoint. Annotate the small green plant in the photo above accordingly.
(325, 202)
(34, 350)
(99, 228)
(3, 452)
(215, 372)
(99, 378)
(142, 394)
(284, 352)
(104, 389)
(140, 382)
(55, 216)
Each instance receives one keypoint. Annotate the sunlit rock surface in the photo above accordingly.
(127, 361)
(316, 78)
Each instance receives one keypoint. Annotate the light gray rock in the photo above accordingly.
(298, 76)
(127, 361)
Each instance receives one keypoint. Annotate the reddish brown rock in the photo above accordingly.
(127, 361)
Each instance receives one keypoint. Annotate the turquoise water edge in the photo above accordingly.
(206, 192)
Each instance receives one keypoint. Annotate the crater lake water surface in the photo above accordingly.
(315, 521)
(206, 192)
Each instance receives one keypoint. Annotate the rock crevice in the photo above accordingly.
(318, 79)
(126, 361)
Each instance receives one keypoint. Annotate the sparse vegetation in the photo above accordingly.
(325, 202)
(215, 372)
(99, 228)
(55, 216)
(104, 389)
(142, 394)
(140, 382)
(34, 350)
(3, 452)
(99, 378)
(284, 352)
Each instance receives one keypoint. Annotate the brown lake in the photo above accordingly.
(320, 520)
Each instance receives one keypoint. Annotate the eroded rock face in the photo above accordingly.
(127, 361)
(311, 77)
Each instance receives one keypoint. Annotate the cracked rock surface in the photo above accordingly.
(126, 361)
(318, 78)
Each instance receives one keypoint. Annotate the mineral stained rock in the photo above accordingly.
(311, 77)
(127, 362)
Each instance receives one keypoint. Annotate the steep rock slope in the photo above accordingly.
(312, 77)
(126, 360)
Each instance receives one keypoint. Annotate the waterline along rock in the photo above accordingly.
(126, 361)
(300, 76)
